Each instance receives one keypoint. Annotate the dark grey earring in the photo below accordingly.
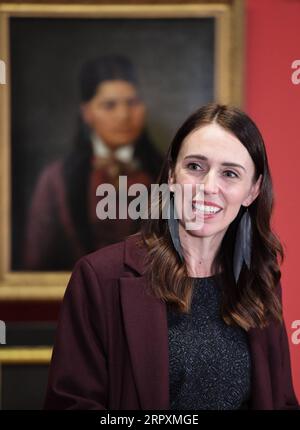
(243, 245)
(173, 225)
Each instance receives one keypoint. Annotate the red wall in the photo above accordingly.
(273, 101)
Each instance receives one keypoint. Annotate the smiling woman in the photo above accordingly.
(221, 148)
(224, 189)
(160, 320)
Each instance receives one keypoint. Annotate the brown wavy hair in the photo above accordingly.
(254, 300)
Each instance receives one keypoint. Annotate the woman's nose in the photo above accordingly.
(210, 182)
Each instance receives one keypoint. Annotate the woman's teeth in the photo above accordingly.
(206, 209)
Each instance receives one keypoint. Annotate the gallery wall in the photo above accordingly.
(273, 100)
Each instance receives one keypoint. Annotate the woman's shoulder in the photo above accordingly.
(96, 275)
(118, 259)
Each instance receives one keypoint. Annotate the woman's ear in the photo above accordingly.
(255, 190)
(257, 187)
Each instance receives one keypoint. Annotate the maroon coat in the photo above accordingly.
(111, 348)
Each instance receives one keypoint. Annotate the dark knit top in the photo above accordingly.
(209, 361)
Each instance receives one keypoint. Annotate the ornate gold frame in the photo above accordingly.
(228, 89)
(25, 355)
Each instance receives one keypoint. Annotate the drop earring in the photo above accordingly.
(243, 245)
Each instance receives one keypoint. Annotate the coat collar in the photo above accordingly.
(145, 321)
(135, 253)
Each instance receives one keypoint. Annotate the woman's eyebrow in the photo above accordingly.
(225, 163)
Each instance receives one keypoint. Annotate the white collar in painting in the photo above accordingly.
(124, 153)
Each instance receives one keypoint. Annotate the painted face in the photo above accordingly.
(215, 158)
(115, 113)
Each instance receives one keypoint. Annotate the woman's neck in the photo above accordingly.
(199, 251)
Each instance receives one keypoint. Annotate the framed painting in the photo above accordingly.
(171, 58)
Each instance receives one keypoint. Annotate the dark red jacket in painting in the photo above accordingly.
(111, 348)
(52, 240)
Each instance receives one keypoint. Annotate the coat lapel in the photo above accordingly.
(147, 336)
(145, 322)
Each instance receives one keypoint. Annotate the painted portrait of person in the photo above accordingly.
(111, 140)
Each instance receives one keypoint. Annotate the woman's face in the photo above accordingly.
(201, 160)
(115, 113)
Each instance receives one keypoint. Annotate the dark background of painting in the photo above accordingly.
(175, 63)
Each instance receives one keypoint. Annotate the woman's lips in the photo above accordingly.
(206, 203)
(206, 215)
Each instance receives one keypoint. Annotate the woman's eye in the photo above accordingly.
(197, 167)
(230, 171)
(193, 166)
